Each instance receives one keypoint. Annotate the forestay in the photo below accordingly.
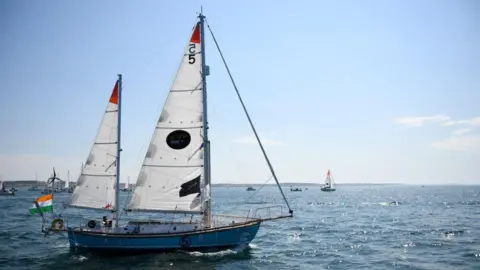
(171, 177)
(96, 184)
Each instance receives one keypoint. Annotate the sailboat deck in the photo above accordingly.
(187, 224)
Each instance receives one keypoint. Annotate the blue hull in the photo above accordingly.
(328, 189)
(215, 238)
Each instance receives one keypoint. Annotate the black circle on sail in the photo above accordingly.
(178, 139)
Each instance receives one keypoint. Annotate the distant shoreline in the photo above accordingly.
(20, 183)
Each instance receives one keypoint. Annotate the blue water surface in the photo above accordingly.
(355, 227)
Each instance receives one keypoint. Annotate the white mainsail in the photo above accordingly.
(171, 177)
(95, 186)
(328, 180)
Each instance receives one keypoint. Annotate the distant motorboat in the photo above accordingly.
(328, 183)
(5, 192)
(46, 191)
(250, 189)
(295, 189)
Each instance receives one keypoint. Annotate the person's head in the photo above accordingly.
(104, 217)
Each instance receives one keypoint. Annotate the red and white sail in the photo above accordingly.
(95, 186)
(328, 180)
(171, 177)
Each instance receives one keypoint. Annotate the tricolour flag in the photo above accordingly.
(45, 204)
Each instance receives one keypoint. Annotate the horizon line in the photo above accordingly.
(297, 183)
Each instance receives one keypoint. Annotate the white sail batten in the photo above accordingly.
(171, 178)
(96, 184)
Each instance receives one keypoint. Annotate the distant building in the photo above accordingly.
(10, 184)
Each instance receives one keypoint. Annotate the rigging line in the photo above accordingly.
(263, 185)
(249, 120)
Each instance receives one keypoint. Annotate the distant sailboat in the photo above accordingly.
(34, 188)
(127, 186)
(71, 188)
(67, 187)
(328, 183)
(174, 177)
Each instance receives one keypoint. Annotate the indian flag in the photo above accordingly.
(45, 204)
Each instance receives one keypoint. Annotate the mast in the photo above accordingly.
(119, 149)
(206, 158)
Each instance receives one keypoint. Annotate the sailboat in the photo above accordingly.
(328, 183)
(34, 188)
(127, 186)
(175, 177)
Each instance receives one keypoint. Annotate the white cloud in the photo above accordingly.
(417, 121)
(474, 122)
(463, 143)
(253, 140)
(462, 131)
(448, 123)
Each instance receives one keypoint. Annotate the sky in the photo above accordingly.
(376, 91)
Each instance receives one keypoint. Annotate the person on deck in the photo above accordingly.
(105, 222)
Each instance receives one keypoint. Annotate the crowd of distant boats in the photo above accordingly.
(60, 187)
(45, 188)
(327, 187)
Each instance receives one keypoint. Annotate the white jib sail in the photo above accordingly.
(96, 184)
(171, 177)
